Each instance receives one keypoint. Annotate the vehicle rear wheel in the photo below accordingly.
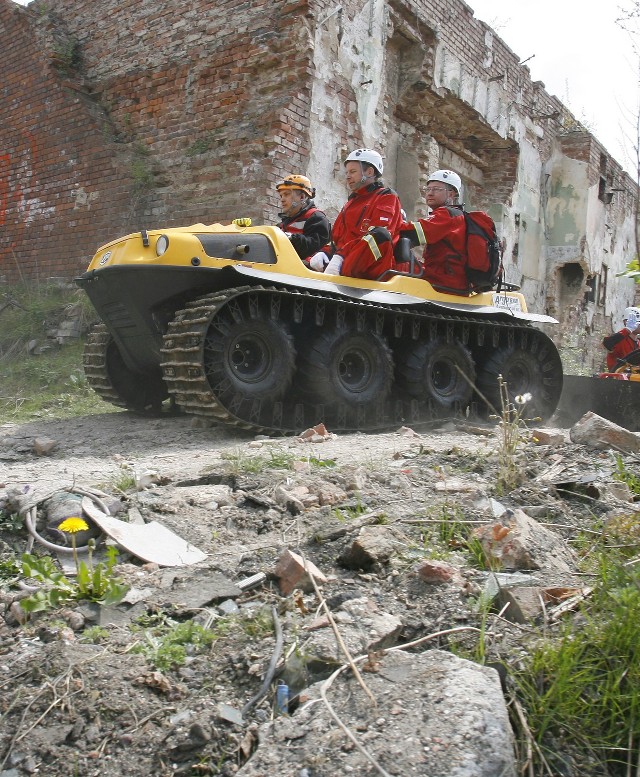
(437, 371)
(252, 358)
(346, 367)
(536, 370)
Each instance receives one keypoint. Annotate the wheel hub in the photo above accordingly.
(518, 379)
(250, 359)
(442, 377)
(354, 371)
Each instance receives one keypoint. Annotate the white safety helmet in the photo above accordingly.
(448, 177)
(368, 157)
(631, 318)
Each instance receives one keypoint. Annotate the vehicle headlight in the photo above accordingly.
(162, 243)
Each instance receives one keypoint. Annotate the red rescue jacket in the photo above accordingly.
(618, 346)
(444, 237)
(371, 206)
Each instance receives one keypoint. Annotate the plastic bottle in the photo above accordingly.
(282, 698)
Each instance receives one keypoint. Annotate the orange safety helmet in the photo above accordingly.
(300, 182)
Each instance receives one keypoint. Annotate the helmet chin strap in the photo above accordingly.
(294, 209)
(365, 179)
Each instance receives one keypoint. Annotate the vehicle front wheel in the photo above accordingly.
(250, 359)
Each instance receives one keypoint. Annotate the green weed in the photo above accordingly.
(259, 625)
(30, 309)
(142, 175)
(125, 480)
(94, 635)
(583, 687)
(94, 582)
(56, 389)
(478, 652)
(244, 463)
(158, 621)
(622, 475)
(316, 463)
(624, 530)
(66, 54)
(169, 650)
(11, 522)
(450, 531)
(50, 384)
(512, 433)
(351, 512)
(200, 146)
(279, 459)
(9, 570)
(476, 555)
(454, 534)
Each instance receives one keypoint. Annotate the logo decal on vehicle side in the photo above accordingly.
(105, 257)
(510, 303)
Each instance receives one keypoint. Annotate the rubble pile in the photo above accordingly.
(318, 614)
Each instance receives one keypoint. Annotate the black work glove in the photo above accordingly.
(380, 235)
(411, 235)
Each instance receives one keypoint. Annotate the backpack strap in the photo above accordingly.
(453, 212)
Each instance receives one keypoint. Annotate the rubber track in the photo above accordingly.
(94, 362)
(183, 359)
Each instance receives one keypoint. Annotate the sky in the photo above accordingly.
(581, 56)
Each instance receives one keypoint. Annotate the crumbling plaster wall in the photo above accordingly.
(453, 95)
(588, 241)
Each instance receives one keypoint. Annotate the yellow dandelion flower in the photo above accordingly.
(73, 525)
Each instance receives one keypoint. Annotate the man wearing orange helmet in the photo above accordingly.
(307, 228)
(365, 231)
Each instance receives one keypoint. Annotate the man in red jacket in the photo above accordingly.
(621, 343)
(365, 231)
(306, 226)
(443, 234)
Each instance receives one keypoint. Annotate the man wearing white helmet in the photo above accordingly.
(306, 226)
(621, 343)
(442, 233)
(365, 231)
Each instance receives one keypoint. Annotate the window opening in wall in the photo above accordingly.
(571, 279)
(602, 290)
(602, 190)
(603, 164)
(591, 292)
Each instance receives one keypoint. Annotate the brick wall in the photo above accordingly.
(55, 166)
(171, 115)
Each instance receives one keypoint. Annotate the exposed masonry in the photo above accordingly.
(177, 115)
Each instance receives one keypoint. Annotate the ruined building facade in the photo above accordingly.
(146, 113)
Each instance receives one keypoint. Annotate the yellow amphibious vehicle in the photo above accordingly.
(229, 324)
